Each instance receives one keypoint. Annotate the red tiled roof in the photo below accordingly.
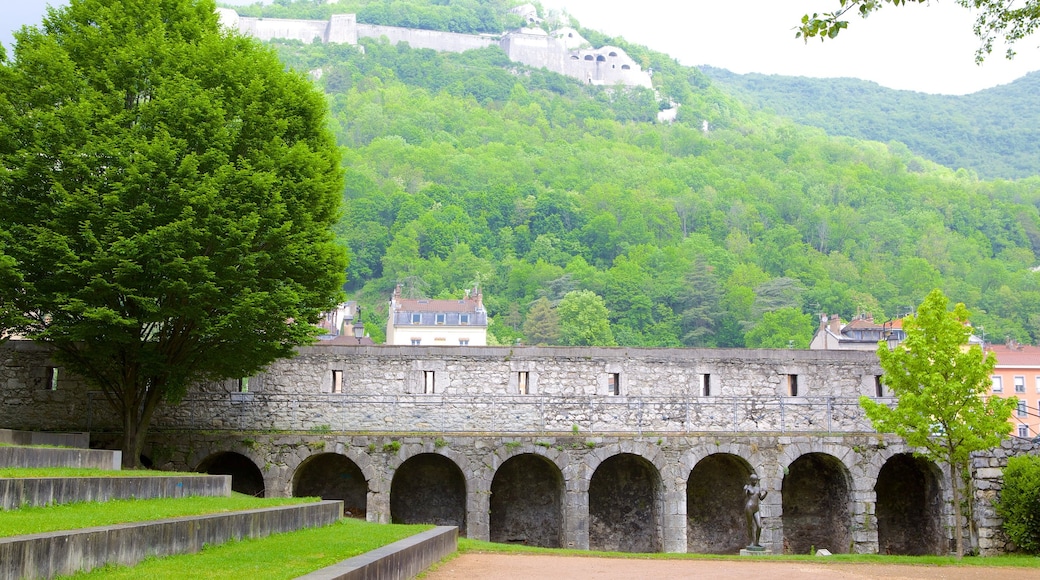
(414, 305)
(1020, 355)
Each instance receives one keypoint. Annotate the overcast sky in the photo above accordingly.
(922, 48)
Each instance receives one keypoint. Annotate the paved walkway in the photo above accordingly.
(516, 567)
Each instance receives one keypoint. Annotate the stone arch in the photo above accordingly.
(589, 57)
(245, 475)
(909, 507)
(625, 505)
(527, 502)
(715, 521)
(600, 58)
(333, 476)
(612, 53)
(816, 495)
(428, 488)
(626, 67)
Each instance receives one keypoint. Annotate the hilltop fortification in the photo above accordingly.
(563, 51)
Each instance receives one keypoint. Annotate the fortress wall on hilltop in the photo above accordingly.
(432, 39)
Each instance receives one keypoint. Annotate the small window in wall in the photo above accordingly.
(464, 319)
(416, 318)
(879, 387)
(51, 379)
(1021, 408)
(1020, 384)
(440, 318)
(792, 385)
(705, 385)
(337, 381)
(1023, 431)
(416, 341)
(614, 383)
(1038, 384)
(428, 382)
(463, 342)
(523, 382)
(243, 385)
(998, 384)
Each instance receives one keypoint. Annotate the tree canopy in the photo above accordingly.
(941, 384)
(995, 20)
(167, 192)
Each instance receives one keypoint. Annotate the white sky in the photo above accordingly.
(923, 48)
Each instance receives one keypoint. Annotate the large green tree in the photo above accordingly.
(940, 384)
(166, 196)
(994, 20)
(584, 320)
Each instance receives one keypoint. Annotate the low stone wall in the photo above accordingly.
(22, 492)
(62, 553)
(404, 559)
(48, 457)
(988, 479)
(78, 440)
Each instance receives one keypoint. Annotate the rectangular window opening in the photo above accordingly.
(998, 384)
(337, 381)
(52, 379)
(523, 384)
(614, 383)
(416, 341)
(1023, 431)
(879, 387)
(416, 318)
(464, 319)
(1038, 384)
(243, 385)
(463, 342)
(440, 319)
(428, 382)
(705, 385)
(792, 385)
(1020, 384)
(1021, 408)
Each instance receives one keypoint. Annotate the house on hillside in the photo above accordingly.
(342, 325)
(1017, 374)
(862, 333)
(425, 322)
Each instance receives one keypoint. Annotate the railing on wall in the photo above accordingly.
(527, 414)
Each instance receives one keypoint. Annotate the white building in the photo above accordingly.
(437, 322)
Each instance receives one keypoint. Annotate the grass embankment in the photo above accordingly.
(479, 547)
(26, 472)
(35, 520)
(279, 556)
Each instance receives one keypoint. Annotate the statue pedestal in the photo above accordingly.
(755, 552)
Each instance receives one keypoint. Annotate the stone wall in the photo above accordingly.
(432, 39)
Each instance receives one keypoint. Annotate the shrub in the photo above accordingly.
(1019, 503)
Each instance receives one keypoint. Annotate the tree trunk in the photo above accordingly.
(137, 415)
(958, 528)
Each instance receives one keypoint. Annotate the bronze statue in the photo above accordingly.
(754, 495)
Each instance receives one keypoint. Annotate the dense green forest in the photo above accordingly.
(994, 132)
(730, 227)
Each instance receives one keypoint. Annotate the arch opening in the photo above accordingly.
(429, 489)
(909, 507)
(625, 505)
(245, 475)
(527, 502)
(715, 522)
(333, 476)
(816, 496)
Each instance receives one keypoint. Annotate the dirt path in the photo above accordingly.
(516, 567)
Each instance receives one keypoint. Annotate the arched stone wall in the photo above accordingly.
(333, 476)
(527, 502)
(428, 488)
(817, 495)
(245, 475)
(909, 507)
(625, 511)
(715, 522)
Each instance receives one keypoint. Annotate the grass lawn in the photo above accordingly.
(34, 520)
(23, 472)
(285, 555)
(476, 546)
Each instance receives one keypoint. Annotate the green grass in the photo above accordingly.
(479, 547)
(35, 520)
(285, 555)
(23, 472)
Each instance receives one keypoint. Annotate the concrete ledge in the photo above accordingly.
(62, 553)
(21, 492)
(402, 560)
(48, 457)
(12, 437)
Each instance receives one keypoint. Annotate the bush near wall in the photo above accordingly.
(1020, 502)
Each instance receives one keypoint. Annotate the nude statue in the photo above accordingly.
(754, 495)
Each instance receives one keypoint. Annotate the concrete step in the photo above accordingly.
(54, 457)
(62, 553)
(23, 492)
(401, 560)
(13, 437)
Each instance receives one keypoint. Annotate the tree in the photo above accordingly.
(166, 194)
(542, 325)
(940, 385)
(782, 328)
(1019, 503)
(584, 320)
(996, 19)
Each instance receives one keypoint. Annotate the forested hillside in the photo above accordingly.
(731, 227)
(995, 132)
